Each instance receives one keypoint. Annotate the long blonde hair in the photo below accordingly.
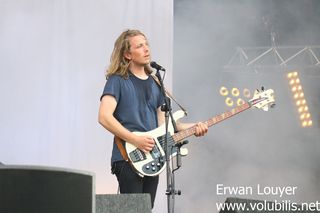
(119, 65)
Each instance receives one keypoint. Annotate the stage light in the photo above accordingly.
(294, 89)
(300, 101)
(235, 92)
(301, 95)
(240, 102)
(246, 93)
(233, 96)
(229, 102)
(292, 81)
(304, 123)
(292, 74)
(224, 91)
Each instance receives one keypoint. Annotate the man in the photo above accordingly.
(131, 101)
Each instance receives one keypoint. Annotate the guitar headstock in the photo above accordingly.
(263, 99)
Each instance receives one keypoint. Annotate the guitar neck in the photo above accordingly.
(212, 121)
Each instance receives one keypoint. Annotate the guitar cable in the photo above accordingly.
(113, 170)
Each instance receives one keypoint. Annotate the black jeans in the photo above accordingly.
(130, 182)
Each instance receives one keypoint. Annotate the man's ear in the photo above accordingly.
(127, 55)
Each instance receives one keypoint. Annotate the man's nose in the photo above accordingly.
(146, 49)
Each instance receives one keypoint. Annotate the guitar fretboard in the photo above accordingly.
(212, 121)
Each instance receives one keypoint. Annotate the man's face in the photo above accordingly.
(139, 52)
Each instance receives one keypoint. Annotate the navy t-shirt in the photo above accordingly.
(137, 104)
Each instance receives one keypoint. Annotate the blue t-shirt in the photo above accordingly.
(137, 104)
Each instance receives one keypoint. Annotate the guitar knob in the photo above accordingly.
(152, 164)
(158, 164)
(153, 169)
(148, 167)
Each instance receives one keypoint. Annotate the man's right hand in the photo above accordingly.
(144, 142)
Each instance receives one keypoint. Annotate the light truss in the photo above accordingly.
(287, 57)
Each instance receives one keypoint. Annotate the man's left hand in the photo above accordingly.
(201, 129)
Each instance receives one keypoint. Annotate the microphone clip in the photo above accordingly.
(156, 66)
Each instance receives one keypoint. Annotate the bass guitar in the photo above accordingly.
(154, 162)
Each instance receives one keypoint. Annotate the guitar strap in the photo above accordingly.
(118, 140)
(121, 148)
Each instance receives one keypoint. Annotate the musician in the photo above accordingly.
(130, 102)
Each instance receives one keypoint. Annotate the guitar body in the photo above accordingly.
(153, 162)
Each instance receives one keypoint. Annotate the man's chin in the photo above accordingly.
(146, 63)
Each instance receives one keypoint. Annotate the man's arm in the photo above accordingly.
(201, 128)
(107, 107)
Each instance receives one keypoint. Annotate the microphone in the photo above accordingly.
(156, 66)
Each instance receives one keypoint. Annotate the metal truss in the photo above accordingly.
(275, 58)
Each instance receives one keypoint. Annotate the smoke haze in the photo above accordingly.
(254, 147)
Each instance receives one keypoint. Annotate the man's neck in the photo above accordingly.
(138, 71)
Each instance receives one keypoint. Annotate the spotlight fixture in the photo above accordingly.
(246, 93)
(233, 96)
(240, 101)
(235, 92)
(224, 91)
(299, 98)
(229, 101)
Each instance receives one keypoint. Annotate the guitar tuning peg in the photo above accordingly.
(262, 88)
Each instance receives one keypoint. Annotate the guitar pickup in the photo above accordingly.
(155, 153)
(137, 155)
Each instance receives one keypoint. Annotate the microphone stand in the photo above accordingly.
(166, 107)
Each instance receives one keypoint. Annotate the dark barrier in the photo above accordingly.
(25, 189)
